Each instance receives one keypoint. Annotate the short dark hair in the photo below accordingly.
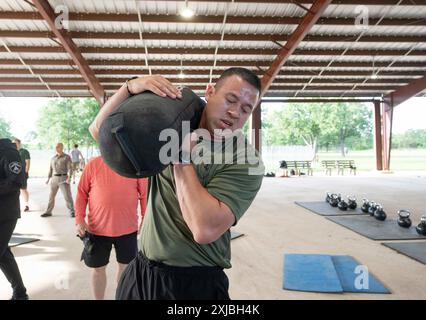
(76, 146)
(243, 73)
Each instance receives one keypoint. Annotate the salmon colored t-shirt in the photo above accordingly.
(113, 200)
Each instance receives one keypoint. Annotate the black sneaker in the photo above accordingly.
(27, 209)
(72, 215)
(24, 297)
(45, 215)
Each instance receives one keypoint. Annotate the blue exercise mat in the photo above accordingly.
(310, 272)
(330, 274)
(352, 276)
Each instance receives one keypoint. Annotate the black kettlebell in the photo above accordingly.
(404, 218)
(334, 200)
(372, 208)
(365, 205)
(327, 197)
(380, 214)
(339, 197)
(342, 205)
(352, 202)
(421, 227)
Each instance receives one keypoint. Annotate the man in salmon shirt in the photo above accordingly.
(112, 219)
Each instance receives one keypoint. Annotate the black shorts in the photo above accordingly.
(144, 279)
(24, 183)
(126, 248)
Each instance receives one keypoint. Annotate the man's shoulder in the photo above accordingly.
(25, 152)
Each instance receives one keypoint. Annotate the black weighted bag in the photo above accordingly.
(129, 137)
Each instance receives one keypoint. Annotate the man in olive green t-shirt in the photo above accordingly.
(26, 161)
(185, 236)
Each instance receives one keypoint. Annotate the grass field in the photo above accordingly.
(401, 160)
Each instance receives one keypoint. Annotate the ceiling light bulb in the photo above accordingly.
(374, 76)
(186, 12)
(181, 75)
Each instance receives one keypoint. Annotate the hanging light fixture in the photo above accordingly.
(186, 12)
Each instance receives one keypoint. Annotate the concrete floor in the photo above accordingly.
(273, 225)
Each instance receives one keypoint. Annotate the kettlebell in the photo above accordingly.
(380, 214)
(343, 205)
(372, 208)
(327, 197)
(334, 200)
(421, 227)
(365, 205)
(339, 197)
(404, 218)
(352, 202)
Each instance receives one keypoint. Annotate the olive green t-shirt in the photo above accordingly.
(25, 155)
(165, 236)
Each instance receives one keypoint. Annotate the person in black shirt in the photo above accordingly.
(12, 177)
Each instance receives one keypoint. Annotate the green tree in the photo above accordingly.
(347, 120)
(412, 138)
(67, 120)
(295, 124)
(328, 124)
(4, 129)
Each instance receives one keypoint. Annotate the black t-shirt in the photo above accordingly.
(12, 175)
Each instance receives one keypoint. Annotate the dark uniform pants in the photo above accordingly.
(144, 279)
(7, 260)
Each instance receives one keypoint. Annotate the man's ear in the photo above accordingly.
(210, 90)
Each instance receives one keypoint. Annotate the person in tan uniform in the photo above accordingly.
(60, 172)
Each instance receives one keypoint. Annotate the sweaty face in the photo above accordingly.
(229, 104)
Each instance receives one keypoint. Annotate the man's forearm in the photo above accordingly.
(106, 109)
(206, 216)
(27, 166)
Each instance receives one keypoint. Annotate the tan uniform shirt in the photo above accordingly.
(60, 165)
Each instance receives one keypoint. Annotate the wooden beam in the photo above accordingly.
(219, 63)
(231, 19)
(205, 80)
(200, 72)
(311, 17)
(406, 92)
(378, 146)
(210, 36)
(211, 51)
(387, 119)
(49, 16)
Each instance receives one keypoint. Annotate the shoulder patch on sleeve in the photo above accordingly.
(15, 167)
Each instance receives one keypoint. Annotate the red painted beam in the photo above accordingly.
(387, 119)
(378, 146)
(311, 17)
(48, 14)
(404, 93)
(293, 41)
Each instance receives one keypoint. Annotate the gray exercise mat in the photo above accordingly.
(235, 234)
(324, 209)
(413, 249)
(16, 241)
(369, 227)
